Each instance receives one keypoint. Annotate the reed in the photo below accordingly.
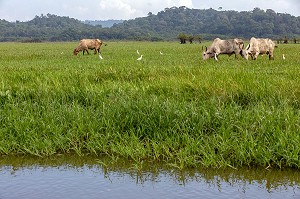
(172, 108)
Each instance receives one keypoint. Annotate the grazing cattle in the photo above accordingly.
(86, 44)
(259, 47)
(229, 47)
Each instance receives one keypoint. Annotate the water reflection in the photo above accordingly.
(84, 177)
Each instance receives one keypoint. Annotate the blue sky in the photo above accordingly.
(24, 10)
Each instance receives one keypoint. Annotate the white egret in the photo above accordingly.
(100, 56)
(283, 57)
(140, 58)
(137, 51)
(161, 53)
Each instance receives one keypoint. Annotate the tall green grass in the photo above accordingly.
(172, 108)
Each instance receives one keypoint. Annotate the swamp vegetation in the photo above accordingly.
(172, 108)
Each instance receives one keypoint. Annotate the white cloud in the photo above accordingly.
(127, 9)
(187, 3)
(116, 9)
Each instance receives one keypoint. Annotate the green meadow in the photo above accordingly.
(173, 108)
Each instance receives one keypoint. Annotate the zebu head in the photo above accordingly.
(75, 52)
(207, 54)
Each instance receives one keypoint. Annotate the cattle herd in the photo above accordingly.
(236, 46)
(256, 46)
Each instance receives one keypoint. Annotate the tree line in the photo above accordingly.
(169, 24)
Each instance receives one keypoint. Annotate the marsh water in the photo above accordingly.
(64, 177)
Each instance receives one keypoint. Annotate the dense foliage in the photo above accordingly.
(166, 25)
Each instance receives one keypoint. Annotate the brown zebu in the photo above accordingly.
(86, 44)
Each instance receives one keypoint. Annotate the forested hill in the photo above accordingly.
(257, 23)
(165, 25)
(44, 28)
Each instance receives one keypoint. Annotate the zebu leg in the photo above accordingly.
(216, 53)
(256, 55)
(86, 51)
(216, 57)
(85, 48)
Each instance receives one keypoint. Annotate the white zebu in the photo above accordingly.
(229, 47)
(259, 47)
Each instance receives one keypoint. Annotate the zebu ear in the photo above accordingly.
(205, 48)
